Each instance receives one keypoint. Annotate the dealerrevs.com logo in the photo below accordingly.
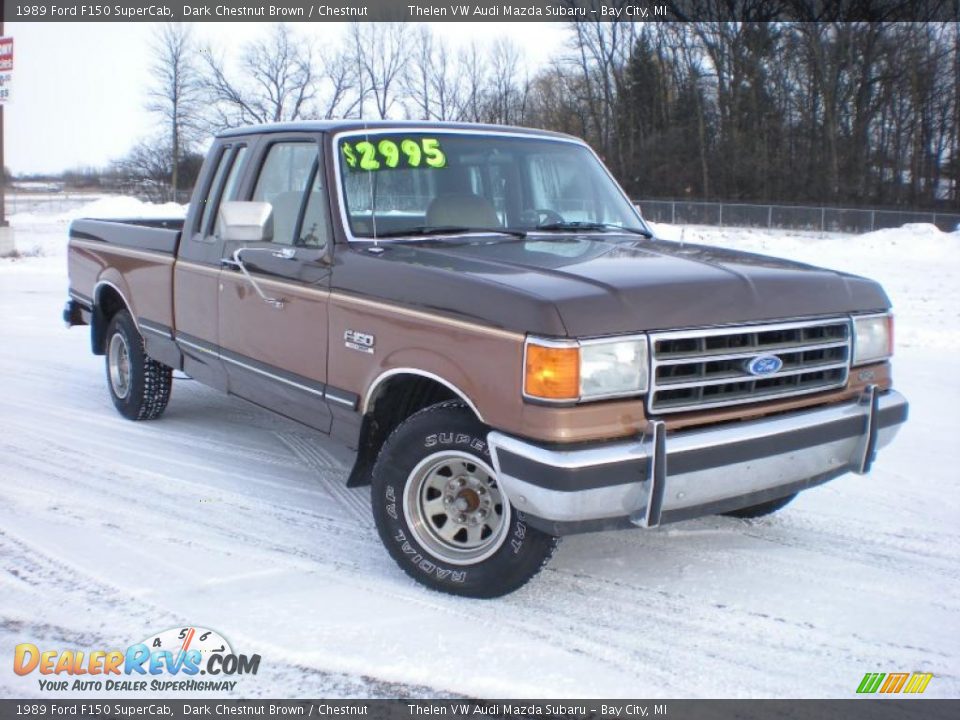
(171, 660)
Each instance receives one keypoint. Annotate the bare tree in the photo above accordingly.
(174, 94)
(278, 81)
(338, 95)
(476, 77)
(602, 50)
(509, 84)
(380, 56)
(148, 165)
(751, 109)
(431, 79)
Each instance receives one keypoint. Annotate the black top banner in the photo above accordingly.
(482, 10)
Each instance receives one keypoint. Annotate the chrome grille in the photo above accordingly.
(706, 368)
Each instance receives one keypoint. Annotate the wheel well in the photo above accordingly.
(393, 401)
(107, 303)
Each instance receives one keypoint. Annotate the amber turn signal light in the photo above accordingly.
(552, 373)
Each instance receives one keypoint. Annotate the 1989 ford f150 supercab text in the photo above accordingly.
(482, 314)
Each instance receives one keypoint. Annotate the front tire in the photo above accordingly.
(441, 513)
(139, 385)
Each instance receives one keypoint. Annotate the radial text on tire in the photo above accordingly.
(443, 516)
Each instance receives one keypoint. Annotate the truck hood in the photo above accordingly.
(586, 285)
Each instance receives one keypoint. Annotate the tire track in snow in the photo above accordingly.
(69, 441)
(32, 566)
(624, 627)
(355, 501)
(862, 544)
(362, 571)
(172, 511)
(119, 430)
(614, 642)
(361, 575)
(778, 646)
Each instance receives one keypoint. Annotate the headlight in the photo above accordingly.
(616, 367)
(569, 370)
(872, 338)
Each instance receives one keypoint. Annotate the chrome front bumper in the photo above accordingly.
(657, 479)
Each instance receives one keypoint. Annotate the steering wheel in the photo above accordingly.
(540, 216)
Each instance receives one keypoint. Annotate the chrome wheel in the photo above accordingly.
(119, 363)
(454, 507)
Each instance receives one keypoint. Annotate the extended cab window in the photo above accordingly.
(229, 165)
(287, 173)
(231, 186)
(211, 197)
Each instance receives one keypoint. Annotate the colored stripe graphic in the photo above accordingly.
(918, 683)
(870, 682)
(894, 682)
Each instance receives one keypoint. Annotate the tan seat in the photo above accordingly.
(461, 210)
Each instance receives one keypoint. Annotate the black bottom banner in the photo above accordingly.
(872, 709)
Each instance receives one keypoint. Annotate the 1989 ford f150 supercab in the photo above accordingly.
(482, 314)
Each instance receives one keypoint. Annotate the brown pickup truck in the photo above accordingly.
(482, 314)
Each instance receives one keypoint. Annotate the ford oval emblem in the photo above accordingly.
(764, 365)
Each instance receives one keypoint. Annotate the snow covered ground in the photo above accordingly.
(225, 516)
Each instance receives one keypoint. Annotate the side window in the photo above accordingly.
(231, 187)
(314, 229)
(283, 181)
(211, 198)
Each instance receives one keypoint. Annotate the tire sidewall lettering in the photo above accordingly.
(445, 427)
(410, 550)
(450, 439)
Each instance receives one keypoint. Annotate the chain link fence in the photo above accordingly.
(795, 217)
(47, 203)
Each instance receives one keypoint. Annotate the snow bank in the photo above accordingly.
(128, 207)
(111, 206)
(43, 231)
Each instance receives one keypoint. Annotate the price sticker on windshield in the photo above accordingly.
(393, 154)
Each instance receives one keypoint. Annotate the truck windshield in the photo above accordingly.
(398, 184)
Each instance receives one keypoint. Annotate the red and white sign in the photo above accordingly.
(6, 54)
(6, 68)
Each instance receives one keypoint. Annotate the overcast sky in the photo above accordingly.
(79, 89)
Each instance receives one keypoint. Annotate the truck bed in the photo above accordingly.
(128, 262)
(153, 234)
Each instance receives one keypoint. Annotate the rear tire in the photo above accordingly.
(441, 513)
(761, 510)
(139, 385)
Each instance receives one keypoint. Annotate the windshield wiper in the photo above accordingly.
(582, 225)
(447, 230)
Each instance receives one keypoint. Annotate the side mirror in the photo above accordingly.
(246, 221)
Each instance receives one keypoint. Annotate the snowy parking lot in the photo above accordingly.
(224, 516)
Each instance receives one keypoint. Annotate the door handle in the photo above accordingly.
(237, 262)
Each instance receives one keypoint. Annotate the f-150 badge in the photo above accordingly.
(362, 342)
